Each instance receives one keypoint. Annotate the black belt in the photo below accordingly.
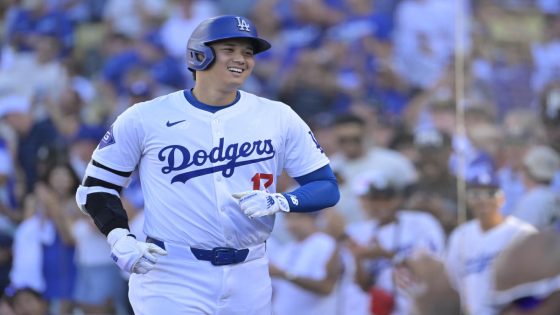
(218, 256)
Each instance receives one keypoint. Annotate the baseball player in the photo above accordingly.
(208, 160)
(474, 246)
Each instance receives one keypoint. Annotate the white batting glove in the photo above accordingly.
(257, 203)
(131, 255)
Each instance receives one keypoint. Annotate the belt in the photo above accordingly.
(218, 256)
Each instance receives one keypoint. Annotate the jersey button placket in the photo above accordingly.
(217, 129)
(217, 134)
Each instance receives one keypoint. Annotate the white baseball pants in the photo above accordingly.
(181, 284)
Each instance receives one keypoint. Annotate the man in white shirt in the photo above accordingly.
(473, 246)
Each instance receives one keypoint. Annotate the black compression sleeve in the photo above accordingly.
(107, 212)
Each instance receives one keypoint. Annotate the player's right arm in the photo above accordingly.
(99, 195)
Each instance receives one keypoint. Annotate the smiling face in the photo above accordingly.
(233, 63)
(484, 202)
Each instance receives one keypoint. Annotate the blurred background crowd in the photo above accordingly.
(433, 112)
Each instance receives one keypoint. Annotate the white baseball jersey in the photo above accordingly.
(190, 161)
(471, 253)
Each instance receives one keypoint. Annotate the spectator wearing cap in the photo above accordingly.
(305, 270)
(390, 237)
(539, 205)
(355, 156)
(474, 245)
(436, 189)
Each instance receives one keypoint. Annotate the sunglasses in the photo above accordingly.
(481, 194)
(350, 140)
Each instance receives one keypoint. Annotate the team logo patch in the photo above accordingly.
(294, 199)
(316, 142)
(108, 139)
(242, 24)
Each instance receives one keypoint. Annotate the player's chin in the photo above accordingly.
(238, 80)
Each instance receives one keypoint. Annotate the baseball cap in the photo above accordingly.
(432, 139)
(483, 179)
(542, 162)
(375, 183)
(14, 103)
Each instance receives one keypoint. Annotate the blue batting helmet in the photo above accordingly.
(199, 53)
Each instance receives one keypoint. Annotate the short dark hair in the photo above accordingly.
(349, 119)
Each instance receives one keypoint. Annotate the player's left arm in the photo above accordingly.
(302, 155)
(318, 190)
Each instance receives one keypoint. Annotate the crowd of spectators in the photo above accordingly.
(410, 99)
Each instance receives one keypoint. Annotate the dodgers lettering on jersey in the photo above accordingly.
(190, 161)
(180, 158)
(478, 264)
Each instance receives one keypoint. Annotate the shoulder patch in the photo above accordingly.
(108, 139)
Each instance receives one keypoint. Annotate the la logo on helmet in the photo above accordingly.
(242, 24)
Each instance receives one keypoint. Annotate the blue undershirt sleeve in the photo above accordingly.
(318, 190)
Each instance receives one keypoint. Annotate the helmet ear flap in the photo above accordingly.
(200, 58)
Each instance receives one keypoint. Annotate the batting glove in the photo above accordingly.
(257, 203)
(131, 255)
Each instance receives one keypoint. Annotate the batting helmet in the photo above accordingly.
(199, 53)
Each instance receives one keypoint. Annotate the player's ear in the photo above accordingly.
(500, 197)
